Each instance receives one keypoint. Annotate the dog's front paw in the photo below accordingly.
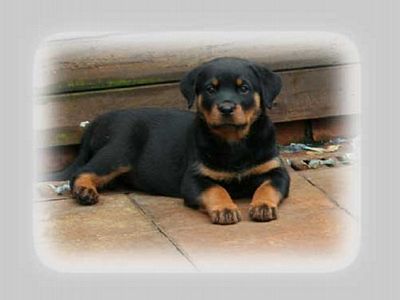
(225, 216)
(263, 213)
(85, 195)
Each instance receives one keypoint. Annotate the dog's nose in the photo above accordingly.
(226, 107)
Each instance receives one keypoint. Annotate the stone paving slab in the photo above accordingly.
(139, 232)
(339, 184)
(112, 235)
(312, 233)
(43, 191)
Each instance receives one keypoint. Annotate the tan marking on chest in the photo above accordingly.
(229, 176)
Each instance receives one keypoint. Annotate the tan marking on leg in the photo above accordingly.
(84, 189)
(99, 181)
(264, 204)
(266, 194)
(219, 205)
(93, 180)
(86, 184)
(85, 180)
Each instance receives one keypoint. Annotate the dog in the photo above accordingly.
(224, 150)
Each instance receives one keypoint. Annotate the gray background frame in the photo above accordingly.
(371, 26)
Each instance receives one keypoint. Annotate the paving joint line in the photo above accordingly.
(66, 197)
(36, 200)
(163, 232)
(329, 197)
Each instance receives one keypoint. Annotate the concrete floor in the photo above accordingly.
(317, 230)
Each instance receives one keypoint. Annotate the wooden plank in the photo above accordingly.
(318, 93)
(69, 110)
(307, 94)
(52, 159)
(120, 60)
(329, 128)
(60, 136)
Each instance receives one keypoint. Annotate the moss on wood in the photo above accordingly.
(87, 85)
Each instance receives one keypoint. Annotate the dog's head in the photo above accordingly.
(230, 94)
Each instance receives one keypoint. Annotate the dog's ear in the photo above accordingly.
(188, 86)
(270, 84)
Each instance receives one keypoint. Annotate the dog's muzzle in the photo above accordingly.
(226, 108)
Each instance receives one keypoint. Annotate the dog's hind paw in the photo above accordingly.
(85, 195)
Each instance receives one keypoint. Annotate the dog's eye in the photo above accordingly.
(244, 89)
(210, 89)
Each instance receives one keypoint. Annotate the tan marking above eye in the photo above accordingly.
(216, 197)
(239, 82)
(215, 82)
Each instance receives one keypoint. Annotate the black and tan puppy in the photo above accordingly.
(225, 150)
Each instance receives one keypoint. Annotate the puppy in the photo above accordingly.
(223, 151)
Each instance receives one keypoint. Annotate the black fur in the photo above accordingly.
(164, 146)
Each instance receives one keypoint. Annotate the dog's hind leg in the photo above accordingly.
(104, 166)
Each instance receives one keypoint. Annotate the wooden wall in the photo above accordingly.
(80, 77)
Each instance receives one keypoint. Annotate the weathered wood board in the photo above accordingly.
(306, 94)
(82, 63)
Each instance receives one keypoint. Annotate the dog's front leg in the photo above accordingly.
(273, 189)
(201, 192)
(219, 205)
